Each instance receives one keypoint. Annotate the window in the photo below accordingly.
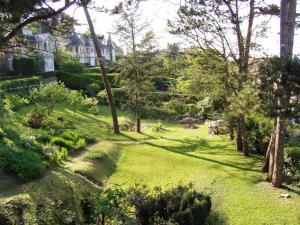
(45, 46)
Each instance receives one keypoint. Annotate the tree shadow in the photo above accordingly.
(187, 148)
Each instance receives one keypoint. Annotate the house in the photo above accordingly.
(41, 44)
(82, 47)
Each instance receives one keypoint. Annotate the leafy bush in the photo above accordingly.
(72, 66)
(71, 135)
(23, 65)
(24, 165)
(127, 125)
(37, 116)
(61, 142)
(50, 123)
(292, 162)
(259, 132)
(14, 102)
(56, 157)
(2, 133)
(91, 104)
(80, 144)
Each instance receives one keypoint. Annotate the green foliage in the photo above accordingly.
(292, 162)
(14, 102)
(51, 94)
(80, 144)
(56, 157)
(71, 135)
(37, 116)
(91, 104)
(75, 99)
(20, 84)
(258, 132)
(24, 65)
(25, 165)
(63, 143)
(2, 133)
(72, 66)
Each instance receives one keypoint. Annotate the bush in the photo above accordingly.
(80, 144)
(91, 104)
(56, 157)
(37, 116)
(259, 132)
(14, 102)
(61, 142)
(24, 165)
(72, 66)
(292, 162)
(71, 135)
(2, 133)
(127, 125)
(26, 66)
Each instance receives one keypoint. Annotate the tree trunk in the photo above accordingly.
(287, 29)
(269, 157)
(244, 135)
(279, 152)
(239, 138)
(138, 123)
(110, 98)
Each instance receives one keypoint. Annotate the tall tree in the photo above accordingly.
(131, 29)
(101, 60)
(228, 27)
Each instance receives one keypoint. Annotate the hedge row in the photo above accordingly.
(84, 81)
(20, 84)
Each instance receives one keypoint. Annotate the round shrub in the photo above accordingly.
(61, 142)
(72, 66)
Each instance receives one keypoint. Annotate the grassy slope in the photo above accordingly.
(167, 158)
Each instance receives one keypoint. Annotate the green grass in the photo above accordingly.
(165, 159)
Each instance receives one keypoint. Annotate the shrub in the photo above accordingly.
(56, 157)
(61, 142)
(14, 102)
(24, 165)
(71, 135)
(80, 144)
(23, 65)
(127, 125)
(93, 89)
(37, 116)
(50, 123)
(292, 162)
(91, 104)
(72, 66)
(64, 153)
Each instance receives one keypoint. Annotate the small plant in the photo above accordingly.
(56, 157)
(64, 153)
(80, 144)
(127, 125)
(91, 104)
(71, 135)
(13, 102)
(158, 127)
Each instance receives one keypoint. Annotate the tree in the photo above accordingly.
(75, 98)
(218, 25)
(131, 28)
(101, 60)
(51, 94)
(16, 14)
(137, 76)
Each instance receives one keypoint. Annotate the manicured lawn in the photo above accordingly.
(177, 155)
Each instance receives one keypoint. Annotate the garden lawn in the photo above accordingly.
(237, 186)
(161, 158)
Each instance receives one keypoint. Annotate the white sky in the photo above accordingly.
(158, 12)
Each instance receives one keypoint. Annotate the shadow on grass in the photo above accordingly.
(187, 148)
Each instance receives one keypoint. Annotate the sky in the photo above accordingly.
(157, 12)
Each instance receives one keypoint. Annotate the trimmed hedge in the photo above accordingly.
(20, 84)
(83, 81)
